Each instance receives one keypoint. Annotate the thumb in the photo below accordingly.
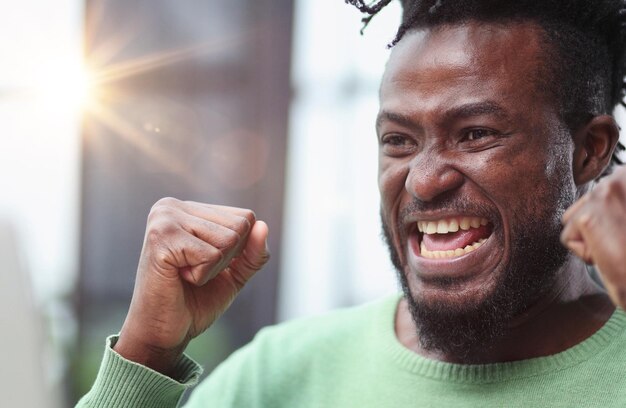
(254, 255)
(573, 239)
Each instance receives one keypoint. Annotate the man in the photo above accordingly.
(494, 125)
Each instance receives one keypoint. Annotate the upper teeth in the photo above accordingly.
(450, 225)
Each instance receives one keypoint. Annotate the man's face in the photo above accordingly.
(474, 171)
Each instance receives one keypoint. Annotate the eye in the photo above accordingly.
(478, 133)
(397, 145)
(395, 140)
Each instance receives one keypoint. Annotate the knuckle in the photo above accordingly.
(166, 202)
(245, 222)
(163, 257)
(160, 231)
(585, 221)
(241, 225)
(214, 256)
(161, 212)
(609, 190)
(229, 239)
(250, 216)
(153, 240)
(615, 188)
(594, 195)
(153, 236)
(604, 191)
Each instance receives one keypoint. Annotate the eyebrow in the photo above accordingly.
(476, 109)
(398, 118)
(460, 112)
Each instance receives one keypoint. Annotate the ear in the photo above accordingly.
(594, 146)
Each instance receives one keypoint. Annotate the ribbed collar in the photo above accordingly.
(391, 349)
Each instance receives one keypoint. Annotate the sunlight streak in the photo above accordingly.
(147, 63)
(106, 98)
(135, 137)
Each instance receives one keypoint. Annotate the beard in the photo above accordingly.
(463, 328)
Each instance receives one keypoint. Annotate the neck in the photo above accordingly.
(574, 309)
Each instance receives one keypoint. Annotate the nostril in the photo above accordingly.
(426, 182)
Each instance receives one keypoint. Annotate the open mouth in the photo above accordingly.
(452, 237)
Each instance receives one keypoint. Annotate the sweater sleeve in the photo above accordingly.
(124, 384)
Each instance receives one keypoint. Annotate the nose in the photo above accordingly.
(431, 175)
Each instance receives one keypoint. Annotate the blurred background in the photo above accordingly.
(109, 105)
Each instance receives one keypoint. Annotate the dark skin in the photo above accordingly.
(195, 259)
(460, 117)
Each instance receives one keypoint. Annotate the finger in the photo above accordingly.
(571, 231)
(220, 236)
(599, 231)
(231, 217)
(167, 223)
(253, 257)
(573, 237)
(190, 256)
(581, 250)
(242, 212)
(230, 243)
(237, 219)
(574, 208)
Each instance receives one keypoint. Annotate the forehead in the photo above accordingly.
(464, 63)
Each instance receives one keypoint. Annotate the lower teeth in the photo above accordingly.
(450, 253)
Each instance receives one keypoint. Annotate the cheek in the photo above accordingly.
(560, 186)
(391, 182)
(526, 183)
(511, 169)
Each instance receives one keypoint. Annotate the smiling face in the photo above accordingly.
(474, 174)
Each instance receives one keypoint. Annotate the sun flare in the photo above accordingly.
(64, 86)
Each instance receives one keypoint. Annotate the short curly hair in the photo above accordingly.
(585, 44)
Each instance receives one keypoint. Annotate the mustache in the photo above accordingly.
(461, 205)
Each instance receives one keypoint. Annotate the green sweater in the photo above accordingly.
(351, 358)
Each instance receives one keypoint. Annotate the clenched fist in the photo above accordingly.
(195, 260)
(595, 230)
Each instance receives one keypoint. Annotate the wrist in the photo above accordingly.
(156, 358)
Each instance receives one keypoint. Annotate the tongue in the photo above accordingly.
(454, 240)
